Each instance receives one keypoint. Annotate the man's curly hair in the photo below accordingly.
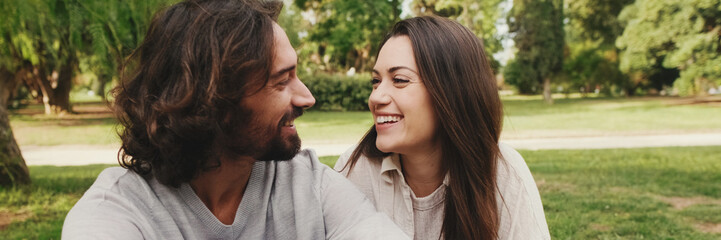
(179, 105)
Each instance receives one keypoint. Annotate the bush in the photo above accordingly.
(591, 69)
(335, 92)
(521, 76)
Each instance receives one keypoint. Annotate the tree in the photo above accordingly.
(112, 30)
(41, 45)
(537, 30)
(348, 31)
(674, 34)
(44, 36)
(52, 37)
(594, 20)
(13, 170)
(479, 16)
(592, 58)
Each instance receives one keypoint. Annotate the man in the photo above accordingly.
(208, 120)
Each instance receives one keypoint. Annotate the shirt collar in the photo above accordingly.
(392, 163)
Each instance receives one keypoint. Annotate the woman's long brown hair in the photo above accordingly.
(455, 70)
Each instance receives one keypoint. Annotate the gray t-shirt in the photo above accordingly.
(296, 199)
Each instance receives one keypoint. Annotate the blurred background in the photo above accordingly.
(615, 104)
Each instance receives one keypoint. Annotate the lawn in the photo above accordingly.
(525, 117)
(645, 193)
(529, 117)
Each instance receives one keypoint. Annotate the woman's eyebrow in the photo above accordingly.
(396, 68)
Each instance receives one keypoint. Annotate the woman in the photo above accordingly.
(432, 160)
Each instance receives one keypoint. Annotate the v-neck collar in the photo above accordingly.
(245, 209)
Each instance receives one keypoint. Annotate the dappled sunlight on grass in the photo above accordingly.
(622, 193)
(53, 192)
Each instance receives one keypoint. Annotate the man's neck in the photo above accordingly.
(221, 189)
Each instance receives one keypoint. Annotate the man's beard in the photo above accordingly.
(256, 141)
(281, 149)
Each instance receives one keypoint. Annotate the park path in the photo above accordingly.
(66, 155)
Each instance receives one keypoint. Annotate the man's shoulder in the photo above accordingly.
(306, 159)
(111, 176)
(108, 203)
(114, 184)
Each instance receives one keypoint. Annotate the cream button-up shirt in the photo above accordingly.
(521, 210)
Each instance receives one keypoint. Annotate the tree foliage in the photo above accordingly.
(112, 29)
(537, 29)
(42, 37)
(43, 42)
(348, 31)
(592, 60)
(596, 20)
(479, 16)
(46, 40)
(674, 34)
(588, 69)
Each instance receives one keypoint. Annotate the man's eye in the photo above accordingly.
(281, 84)
(284, 82)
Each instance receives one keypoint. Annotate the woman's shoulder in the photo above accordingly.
(521, 200)
(344, 158)
(363, 161)
(513, 172)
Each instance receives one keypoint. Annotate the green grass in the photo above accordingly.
(46, 202)
(710, 213)
(530, 117)
(525, 117)
(618, 193)
(587, 194)
(93, 125)
(328, 160)
(316, 127)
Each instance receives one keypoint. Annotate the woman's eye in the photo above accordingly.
(375, 81)
(399, 82)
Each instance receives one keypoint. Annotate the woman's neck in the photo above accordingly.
(423, 171)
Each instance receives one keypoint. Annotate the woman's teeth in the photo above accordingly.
(388, 119)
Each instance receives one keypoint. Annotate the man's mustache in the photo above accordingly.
(292, 114)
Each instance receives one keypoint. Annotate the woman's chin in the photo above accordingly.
(388, 147)
(384, 148)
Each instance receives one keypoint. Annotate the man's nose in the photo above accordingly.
(302, 97)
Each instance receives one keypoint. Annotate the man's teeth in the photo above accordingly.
(288, 123)
(386, 119)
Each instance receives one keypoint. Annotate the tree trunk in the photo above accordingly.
(56, 99)
(13, 170)
(547, 90)
(99, 88)
(61, 97)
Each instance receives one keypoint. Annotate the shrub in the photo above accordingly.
(336, 92)
(521, 76)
